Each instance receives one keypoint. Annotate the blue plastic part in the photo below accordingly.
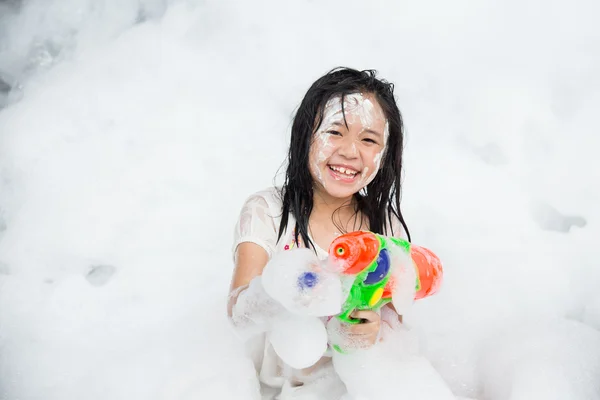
(308, 280)
(382, 269)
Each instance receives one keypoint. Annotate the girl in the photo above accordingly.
(343, 174)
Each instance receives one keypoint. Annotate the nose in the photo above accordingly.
(348, 148)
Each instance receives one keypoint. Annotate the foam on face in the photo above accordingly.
(356, 108)
(368, 178)
(332, 110)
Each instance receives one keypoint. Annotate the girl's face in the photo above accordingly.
(344, 159)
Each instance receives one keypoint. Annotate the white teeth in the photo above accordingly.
(350, 173)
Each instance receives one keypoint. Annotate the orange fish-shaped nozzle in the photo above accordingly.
(354, 251)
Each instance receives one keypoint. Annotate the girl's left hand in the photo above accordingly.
(365, 333)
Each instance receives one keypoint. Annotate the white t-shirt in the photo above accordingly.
(259, 223)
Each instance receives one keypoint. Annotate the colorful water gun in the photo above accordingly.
(370, 257)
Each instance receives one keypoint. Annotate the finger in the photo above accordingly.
(366, 315)
(364, 329)
(361, 342)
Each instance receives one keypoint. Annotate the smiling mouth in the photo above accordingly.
(342, 172)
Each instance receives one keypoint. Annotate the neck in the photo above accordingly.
(323, 203)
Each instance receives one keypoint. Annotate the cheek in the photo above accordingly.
(320, 150)
(374, 158)
(378, 157)
(372, 164)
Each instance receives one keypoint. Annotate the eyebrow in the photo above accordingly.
(336, 123)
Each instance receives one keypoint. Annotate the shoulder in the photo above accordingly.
(271, 195)
(269, 198)
(264, 205)
(259, 220)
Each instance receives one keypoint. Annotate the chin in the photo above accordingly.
(340, 191)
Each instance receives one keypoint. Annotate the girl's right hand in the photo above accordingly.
(365, 333)
(355, 336)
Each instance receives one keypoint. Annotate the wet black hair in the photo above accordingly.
(380, 200)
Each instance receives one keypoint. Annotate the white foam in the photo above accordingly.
(133, 147)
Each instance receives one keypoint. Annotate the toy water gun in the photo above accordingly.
(371, 257)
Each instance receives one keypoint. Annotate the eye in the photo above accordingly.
(333, 132)
(370, 141)
(340, 251)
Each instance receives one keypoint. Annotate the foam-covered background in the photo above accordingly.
(133, 131)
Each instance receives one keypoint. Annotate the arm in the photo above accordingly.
(254, 239)
(250, 260)
(391, 306)
(250, 308)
